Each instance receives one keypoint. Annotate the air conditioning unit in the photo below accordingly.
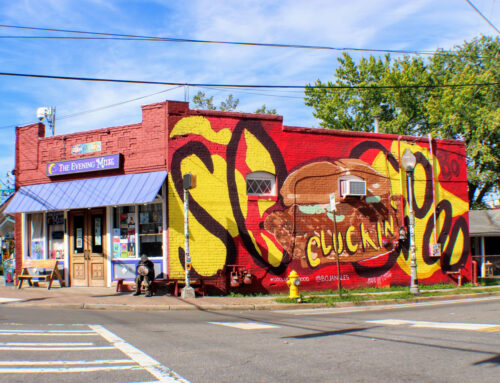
(352, 188)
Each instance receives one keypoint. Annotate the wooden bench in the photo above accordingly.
(197, 283)
(47, 265)
(120, 286)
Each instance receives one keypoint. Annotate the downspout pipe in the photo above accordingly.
(401, 182)
(433, 187)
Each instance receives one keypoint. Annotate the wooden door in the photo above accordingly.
(87, 247)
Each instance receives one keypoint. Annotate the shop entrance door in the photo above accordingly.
(87, 247)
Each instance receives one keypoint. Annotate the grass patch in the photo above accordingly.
(330, 300)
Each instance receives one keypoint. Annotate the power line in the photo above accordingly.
(116, 104)
(483, 16)
(116, 36)
(96, 109)
(93, 79)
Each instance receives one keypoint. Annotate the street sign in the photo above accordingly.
(333, 204)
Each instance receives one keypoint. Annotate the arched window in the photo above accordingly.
(261, 184)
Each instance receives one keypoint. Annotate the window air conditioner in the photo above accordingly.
(352, 188)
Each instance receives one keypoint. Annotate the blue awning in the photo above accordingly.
(91, 192)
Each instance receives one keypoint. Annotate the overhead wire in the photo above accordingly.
(250, 86)
(117, 36)
(483, 16)
(96, 109)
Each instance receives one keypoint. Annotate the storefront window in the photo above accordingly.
(78, 221)
(150, 230)
(55, 226)
(124, 232)
(97, 234)
(137, 231)
(35, 236)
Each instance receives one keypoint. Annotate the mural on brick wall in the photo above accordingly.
(296, 230)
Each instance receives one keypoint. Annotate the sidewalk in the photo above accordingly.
(106, 298)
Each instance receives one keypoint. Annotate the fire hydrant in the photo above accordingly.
(293, 282)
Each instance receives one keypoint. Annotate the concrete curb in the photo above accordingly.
(243, 307)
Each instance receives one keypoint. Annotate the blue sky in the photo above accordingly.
(382, 24)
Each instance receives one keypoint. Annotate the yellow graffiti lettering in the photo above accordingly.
(365, 239)
(338, 249)
(324, 248)
(313, 261)
(389, 227)
(350, 246)
(379, 233)
(201, 126)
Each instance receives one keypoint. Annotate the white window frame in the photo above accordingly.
(262, 176)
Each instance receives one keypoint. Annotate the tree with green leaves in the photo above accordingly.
(265, 110)
(380, 87)
(202, 101)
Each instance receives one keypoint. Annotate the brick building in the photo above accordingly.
(262, 201)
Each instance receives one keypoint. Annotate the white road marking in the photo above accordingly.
(164, 374)
(440, 325)
(64, 369)
(33, 333)
(8, 300)
(60, 362)
(246, 325)
(67, 332)
(57, 348)
(344, 310)
(45, 344)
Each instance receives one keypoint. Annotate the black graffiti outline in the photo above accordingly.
(202, 216)
(258, 131)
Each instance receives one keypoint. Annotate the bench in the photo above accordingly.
(197, 283)
(120, 286)
(48, 265)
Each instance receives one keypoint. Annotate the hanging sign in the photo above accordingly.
(83, 165)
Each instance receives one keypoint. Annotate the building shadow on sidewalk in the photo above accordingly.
(493, 360)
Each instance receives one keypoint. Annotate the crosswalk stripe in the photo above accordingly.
(44, 344)
(246, 325)
(66, 369)
(162, 373)
(5, 348)
(440, 325)
(60, 362)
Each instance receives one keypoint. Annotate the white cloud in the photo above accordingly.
(416, 24)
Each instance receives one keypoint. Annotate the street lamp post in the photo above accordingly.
(188, 183)
(409, 161)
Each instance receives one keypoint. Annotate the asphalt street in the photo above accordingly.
(456, 341)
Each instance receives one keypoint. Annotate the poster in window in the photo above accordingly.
(123, 219)
(131, 249)
(144, 217)
(131, 220)
(36, 250)
(79, 237)
(156, 217)
(116, 235)
(97, 231)
(124, 250)
(117, 249)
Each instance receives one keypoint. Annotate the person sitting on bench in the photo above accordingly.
(145, 272)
